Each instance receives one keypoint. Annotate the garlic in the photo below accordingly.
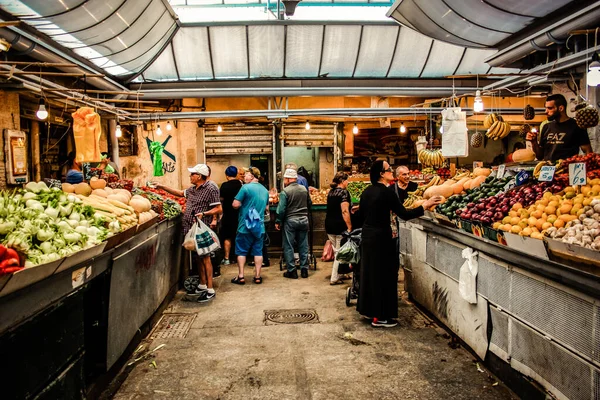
(582, 217)
(594, 202)
(597, 207)
(589, 212)
(594, 232)
(588, 221)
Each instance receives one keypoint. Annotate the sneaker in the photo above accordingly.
(206, 297)
(291, 274)
(194, 296)
(304, 272)
(225, 262)
(384, 323)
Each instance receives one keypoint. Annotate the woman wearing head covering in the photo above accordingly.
(378, 290)
(229, 221)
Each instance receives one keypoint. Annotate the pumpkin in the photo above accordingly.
(481, 172)
(523, 155)
(83, 188)
(440, 190)
(126, 193)
(119, 197)
(96, 183)
(140, 205)
(68, 188)
(99, 192)
(109, 190)
(475, 182)
(145, 217)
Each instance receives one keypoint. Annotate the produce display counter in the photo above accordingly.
(74, 324)
(538, 316)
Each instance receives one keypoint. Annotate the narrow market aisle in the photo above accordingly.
(231, 352)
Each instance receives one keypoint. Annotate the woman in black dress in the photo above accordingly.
(378, 290)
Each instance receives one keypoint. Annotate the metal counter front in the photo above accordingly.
(540, 317)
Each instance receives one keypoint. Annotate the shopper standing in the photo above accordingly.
(202, 201)
(337, 219)
(378, 290)
(251, 200)
(229, 221)
(301, 180)
(292, 214)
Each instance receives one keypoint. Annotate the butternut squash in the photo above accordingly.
(477, 181)
(457, 188)
(523, 155)
(481, 172)
(440, 190)
(96, 183)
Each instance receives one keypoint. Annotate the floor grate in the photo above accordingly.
(173, 325)
(297, 316)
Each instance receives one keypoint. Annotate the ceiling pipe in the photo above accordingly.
(316, 112)
(181, 93)
(542, 38)
(33, 47)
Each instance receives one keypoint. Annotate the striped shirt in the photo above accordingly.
(199, 199)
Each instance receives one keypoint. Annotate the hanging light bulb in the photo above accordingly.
(441, 128)
(402, 128)
(593, 75)
(118, 132)
(42, 113)
(355, 129)
(158, 130)
(219, 128)
(307, 126)
(534, 130)
(478, 104)
(169, 126)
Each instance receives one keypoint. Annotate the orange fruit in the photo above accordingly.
(565, 208)
(585, 190)
(515, 229)
(523, 223)
(539, 224)
(553, 203)
(515, 220)
(546, 225)
(513, 213)
(532, 221)
(551, 218)
(537, 213)
(517, 206)
(559, 223)
(550, 209)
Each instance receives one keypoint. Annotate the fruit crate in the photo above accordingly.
(494, 235)
(465, 225)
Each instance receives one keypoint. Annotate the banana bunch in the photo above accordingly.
(561, 167)
(498, 130)
(490, 119)
(538, 168)
(431, 158)
(436, 180)
(460, 175)
(410, 200)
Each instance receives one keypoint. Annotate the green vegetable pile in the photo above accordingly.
(356, 188)
(48, 224)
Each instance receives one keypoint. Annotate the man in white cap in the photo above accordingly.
(292, 214)
(202, 201)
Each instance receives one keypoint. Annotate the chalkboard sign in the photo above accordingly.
(127, 142)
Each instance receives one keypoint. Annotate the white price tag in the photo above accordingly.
(501, 170)
(577, 174)
(547, 173)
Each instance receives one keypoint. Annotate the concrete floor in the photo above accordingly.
(230, 353)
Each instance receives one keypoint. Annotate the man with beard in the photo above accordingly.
(560, 138)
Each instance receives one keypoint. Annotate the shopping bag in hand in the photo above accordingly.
(348, 253)
(189, 243)
(328, 252)
(206, 240)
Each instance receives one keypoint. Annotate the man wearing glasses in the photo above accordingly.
(202, 201)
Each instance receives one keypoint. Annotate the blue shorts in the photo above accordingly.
(246, 244)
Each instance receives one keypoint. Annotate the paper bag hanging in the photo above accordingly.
(87, 131)
(455, 137)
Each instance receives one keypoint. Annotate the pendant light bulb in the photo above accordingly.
(219, 128)
(441, 128)
(478, 104)
(402, 128)
(355, 129)
(118, 132)
(169, 126)
(42, 113)
(593, 75)
(158, 130)
(533, 130)
(307, 126)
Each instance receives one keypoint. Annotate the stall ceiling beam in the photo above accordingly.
(317, 112)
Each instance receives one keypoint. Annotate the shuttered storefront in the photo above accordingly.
(239, 140)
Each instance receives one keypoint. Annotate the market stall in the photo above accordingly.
(509, 262)
(66, 294)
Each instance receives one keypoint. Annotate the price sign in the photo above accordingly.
(547, 173)
(521, 178)
(501, 170)
(577, 174)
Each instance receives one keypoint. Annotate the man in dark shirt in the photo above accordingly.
(403, 184)
(561, 137)
(229, 222)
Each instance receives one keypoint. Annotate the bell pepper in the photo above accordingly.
(10, 253)
(10, 270)
(2, 252)
(8, 263)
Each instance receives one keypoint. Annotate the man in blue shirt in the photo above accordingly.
(251, 200)
(301, 180)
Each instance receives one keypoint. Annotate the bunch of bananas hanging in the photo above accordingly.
(496, 127)
(410, 200)
(431, 158)
(538, 168)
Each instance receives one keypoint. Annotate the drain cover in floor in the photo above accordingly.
(173, 325)
(299, 316)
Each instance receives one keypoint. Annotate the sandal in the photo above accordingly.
(239, 280)
(258, 280)
(338, 282)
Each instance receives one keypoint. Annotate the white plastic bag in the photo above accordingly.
(202, 239)
(348, 253)
(467, 282)
(455, 139)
